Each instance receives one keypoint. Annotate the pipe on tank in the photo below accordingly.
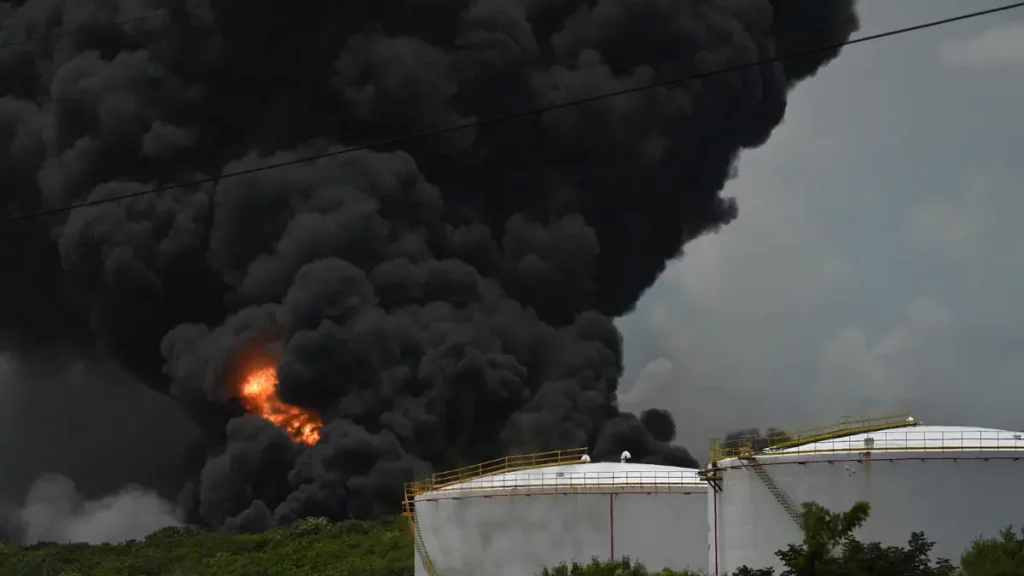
(611, 527)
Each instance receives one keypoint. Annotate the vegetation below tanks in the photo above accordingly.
(315, 547)
(309, 547)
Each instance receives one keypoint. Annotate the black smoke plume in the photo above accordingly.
(439, 302)
(752, 438)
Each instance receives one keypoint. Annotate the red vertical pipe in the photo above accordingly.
(716, 533)
(611, 524)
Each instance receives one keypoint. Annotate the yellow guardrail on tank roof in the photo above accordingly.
(747, 446)
(467, 473)
(492, 467)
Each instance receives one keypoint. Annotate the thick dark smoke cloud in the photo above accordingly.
(437, 304)
(753, 438)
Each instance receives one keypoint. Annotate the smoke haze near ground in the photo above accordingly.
(64, 418)
(438, 304)
(54, 511)
(87, 421)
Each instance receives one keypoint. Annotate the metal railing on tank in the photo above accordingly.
(903, 435)
(474, 472)
(648, 481)
(750, 446)
(924, 440)
(492, 468)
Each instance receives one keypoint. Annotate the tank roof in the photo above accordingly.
(592, 474)
(914, 438)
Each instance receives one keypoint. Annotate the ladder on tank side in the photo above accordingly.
(417, 540)
(780, 495)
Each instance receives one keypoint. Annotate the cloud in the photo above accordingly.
(860, 375)
(999, 46)
(979, 222)
(722, 340)
(655, 379)
(54, 511)
(777, 321)
(875, 262)
(942, 226)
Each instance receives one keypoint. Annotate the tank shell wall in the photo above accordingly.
(503, 533)
(953, 498)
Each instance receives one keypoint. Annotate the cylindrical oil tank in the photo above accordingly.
(515, 516)
(954, 483)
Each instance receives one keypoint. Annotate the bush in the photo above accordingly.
(310, 547)
(1002, 556)
(311, 526)
(169, 533)
(623, 567)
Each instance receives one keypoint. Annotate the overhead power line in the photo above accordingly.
(513, 116)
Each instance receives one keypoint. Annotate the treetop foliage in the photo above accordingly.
(309, 547)
(317, 547)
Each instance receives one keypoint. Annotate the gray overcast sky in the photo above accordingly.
(877, 261)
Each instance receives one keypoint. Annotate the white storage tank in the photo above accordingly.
(954, 483)
(517, 515)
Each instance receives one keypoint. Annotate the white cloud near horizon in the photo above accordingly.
(867, 375)
(878, 258)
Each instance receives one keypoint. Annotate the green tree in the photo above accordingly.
(824, 531)
(873, 558)
(829, 548)
(1002, 556)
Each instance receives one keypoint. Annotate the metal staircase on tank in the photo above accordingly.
(780, 495)
(746, 449)
(421, 549)
(417, 539)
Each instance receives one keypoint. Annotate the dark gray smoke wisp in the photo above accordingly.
(753, 438)
(54, 511)
(443, 302)
(84, 419)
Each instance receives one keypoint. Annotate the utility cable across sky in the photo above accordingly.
(498, 119)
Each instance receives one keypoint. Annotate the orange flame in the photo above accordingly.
(258, 394)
